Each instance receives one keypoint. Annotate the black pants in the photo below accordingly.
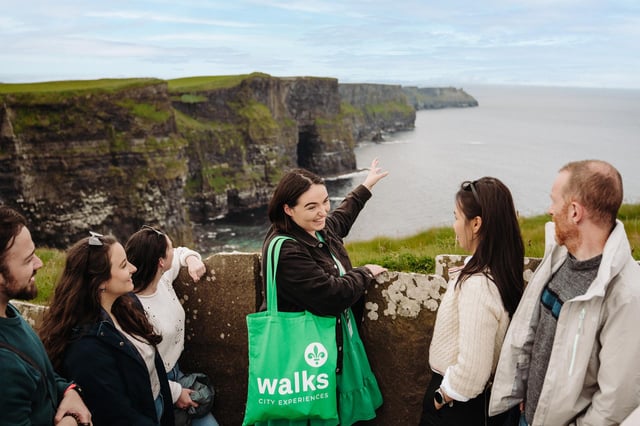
(469, 413)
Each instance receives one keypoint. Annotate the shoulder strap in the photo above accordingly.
(26, 358)
(273, 253)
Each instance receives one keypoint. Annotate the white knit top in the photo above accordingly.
(166, 314)
(470, 327)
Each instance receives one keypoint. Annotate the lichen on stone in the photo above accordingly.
(409, 293)
(372, 310)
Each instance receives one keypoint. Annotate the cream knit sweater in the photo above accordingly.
(468, 335)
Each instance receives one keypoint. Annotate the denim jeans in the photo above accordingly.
(174, 374)
(523, 421)
(159, 406)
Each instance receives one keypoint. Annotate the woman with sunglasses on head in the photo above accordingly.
(96, 334)
(476, 309)
(158, 264)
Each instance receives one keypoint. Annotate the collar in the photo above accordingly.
(615, 256)
(300, 235)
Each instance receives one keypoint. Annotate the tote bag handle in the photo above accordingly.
(273, 254)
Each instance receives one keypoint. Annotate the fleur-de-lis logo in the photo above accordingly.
(316, 354)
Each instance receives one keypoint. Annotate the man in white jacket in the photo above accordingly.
(571, 355)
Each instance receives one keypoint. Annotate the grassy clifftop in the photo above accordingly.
(72, 87)
(205, 83)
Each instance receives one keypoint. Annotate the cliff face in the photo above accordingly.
(438, 97)
(111, 155)
(376, 108)
(106, 161)
(242, 137)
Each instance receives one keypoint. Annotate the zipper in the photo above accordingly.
(575, 341)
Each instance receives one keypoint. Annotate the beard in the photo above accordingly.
(13, 290)
(566, 232)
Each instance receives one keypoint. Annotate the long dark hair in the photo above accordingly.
(500, 251)
(144, 249)
(76, 301)
(292, 185)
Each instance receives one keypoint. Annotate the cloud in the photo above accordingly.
(315, 7)
(515, 41)
(147, 16)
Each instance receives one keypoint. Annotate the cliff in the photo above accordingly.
(377, 109)
(243, 132)
(106, 158)
(111, 155)
(438, 97)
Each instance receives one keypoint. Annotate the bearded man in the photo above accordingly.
(32, 393)
(571, 355)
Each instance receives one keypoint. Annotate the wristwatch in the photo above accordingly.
(439, 398)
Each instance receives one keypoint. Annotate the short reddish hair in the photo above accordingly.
(597, 185)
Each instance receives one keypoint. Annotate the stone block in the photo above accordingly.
(216, 332)
(33, 314)
(399, 315)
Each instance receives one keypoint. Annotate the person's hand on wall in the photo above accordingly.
(195, 267)
(375, 269)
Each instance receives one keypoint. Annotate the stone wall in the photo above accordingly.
(400, 311)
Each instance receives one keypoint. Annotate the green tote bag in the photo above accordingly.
(292, 359)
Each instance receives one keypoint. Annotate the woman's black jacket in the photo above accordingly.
(308, 278)
(114, 378)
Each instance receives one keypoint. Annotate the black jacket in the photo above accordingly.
(114, 378)
(308, 278)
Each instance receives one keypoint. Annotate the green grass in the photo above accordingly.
(187, 98)
(629, 214)
(202, 83)
(186, 123)
(417, 253)
(108, 84)
(47, 276)
(413, 254)
(146, 111)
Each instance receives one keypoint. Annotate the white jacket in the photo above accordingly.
(593, 377)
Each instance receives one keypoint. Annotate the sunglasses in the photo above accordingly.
(471, 186)
(160, 233)
(94, 239)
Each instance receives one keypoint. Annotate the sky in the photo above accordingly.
(590, 43)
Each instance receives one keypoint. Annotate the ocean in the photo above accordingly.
(521, 135)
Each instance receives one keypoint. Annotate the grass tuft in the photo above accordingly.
(47, 276)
